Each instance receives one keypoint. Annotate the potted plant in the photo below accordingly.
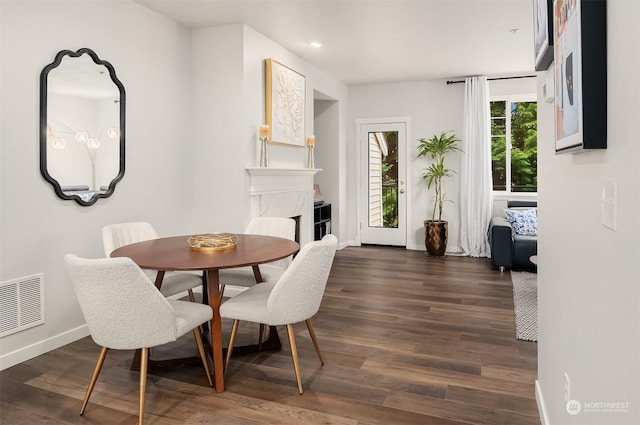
(437, 147)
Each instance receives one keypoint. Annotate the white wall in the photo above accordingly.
(433, 107)
(327, 131)
(229, 106)
(513, 87)
(194, 102)
(219, 139)
(151, 56)
(588, 275)
(257, 48)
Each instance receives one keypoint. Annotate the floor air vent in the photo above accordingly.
(21, 304)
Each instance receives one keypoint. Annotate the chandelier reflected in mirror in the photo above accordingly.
(58, 134)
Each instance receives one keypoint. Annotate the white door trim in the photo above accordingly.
(387, 120)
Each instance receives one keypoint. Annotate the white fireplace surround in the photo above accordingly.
(284, 192)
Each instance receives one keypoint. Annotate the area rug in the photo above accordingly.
(525, 302)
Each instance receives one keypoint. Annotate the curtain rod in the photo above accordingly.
(492, 79)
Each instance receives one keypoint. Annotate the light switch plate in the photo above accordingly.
(610, 204)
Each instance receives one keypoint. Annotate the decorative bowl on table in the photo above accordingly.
(212, 241)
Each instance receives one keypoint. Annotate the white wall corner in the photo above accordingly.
(343, 245)
(542, 410)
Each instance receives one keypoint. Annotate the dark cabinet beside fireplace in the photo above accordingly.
(321, 220)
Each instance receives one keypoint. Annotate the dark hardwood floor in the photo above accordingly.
(407, 339)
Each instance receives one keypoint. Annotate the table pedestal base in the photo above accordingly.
(270, 343)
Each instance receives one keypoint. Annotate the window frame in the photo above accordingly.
(509, 99)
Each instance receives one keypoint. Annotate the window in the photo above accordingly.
(383, 179)
(514, 145)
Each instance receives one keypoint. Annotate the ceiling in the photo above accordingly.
(379, 41)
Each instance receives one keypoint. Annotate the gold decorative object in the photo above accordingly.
(212, 241)
(264, 139)
(311, 141)
(310, 159)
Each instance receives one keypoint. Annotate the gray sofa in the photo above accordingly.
(511, 251)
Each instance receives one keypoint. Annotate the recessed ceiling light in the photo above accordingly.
(316, 44)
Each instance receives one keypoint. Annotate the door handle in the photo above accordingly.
(401, 190)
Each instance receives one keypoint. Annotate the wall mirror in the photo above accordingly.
(82, 126)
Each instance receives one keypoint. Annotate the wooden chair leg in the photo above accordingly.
(222, 286)
(261, 336)
(203, 355)
(94, 377)
(192, 298)
(294, 356)
(232, 340)
(315, 341)
(144, 363)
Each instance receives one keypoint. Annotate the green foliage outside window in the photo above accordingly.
(389, 195)
(524, 145)
(390, 182)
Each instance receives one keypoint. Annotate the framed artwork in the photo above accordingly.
(543, 33)
(580, 71)
(285, 104)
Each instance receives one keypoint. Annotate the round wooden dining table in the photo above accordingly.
(175, 254)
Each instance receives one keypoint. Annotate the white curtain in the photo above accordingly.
(476, 200)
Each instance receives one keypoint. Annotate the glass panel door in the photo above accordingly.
(383, 200)
(383, 179)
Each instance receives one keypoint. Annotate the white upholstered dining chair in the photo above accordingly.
(281, 227)
(116, 235)
(124, 311)
(294, 298)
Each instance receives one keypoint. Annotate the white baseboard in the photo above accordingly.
(41, 347)
(542, 410)
(416, 247)
(451, 250)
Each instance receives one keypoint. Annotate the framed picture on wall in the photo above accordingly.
(580, 70)
(285, 103)
(543, 33)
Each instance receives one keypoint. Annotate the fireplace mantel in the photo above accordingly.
(266, 171)
(278, 180)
